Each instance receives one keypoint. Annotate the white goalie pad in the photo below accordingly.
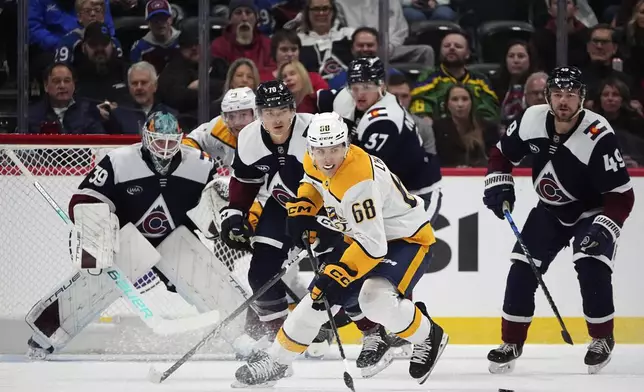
(200, 277)
(94, 238)
(78, 300)
(213, 198)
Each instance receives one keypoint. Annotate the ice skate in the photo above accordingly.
(261, 371)
(376, 354)
(320, 345)
(401, 347)
(36, 352)
(426, 354)
(502, 359)
(599, 354)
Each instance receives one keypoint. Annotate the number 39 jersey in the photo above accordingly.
(156, 204)
(572, 173)
(369, 204)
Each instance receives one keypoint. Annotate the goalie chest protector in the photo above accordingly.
(156, 204)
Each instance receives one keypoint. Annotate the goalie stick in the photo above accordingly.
(158, 377)
(132, 296)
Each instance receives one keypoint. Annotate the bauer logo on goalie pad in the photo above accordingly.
(132, 294)
(157, 221)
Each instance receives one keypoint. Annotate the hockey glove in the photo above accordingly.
(302, 218)
(235, 229)
(499, 188)
(331, 282)
(603, 233)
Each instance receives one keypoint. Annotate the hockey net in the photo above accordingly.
(34, 255)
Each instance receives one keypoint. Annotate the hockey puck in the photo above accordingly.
(154, 376)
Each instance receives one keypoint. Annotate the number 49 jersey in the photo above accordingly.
(572, 173)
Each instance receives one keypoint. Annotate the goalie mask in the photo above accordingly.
(327, 142)
(565, 93)
(238, 109)
(162, 139)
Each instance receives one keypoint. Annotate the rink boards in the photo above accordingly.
(464, 290)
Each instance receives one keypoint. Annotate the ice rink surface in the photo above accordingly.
(461, 369)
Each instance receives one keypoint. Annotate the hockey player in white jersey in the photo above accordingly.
(384, 128)
(385, 252)
(218, 137)
(585, 195)
(148, 190)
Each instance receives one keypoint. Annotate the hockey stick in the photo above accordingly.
(564, 331)
(348, 380)
(158, 377)
(133, 298)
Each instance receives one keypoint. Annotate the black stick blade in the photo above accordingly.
(566, 337)
(348, 381)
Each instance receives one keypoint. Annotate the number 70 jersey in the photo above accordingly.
(369, 203)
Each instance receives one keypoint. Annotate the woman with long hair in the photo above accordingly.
(296, 78)
(462, 139)
(633, 46)
(241, 73)
(518, 63)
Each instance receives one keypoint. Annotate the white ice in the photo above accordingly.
(461, 369)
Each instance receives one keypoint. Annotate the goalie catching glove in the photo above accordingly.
(236, 232)
(94, 238)
(332, 280)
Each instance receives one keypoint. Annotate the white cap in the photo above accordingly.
(326, 130)
(238, 99)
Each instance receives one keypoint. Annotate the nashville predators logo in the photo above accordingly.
(336, 220)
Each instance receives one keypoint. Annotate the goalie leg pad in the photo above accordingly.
(94, 239)
(79, 299)
(201, 278)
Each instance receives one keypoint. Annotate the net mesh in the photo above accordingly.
(35, 258)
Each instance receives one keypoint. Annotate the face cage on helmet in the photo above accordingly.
(151, 141)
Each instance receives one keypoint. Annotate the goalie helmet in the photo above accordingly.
(161, 136)
(327, 130)
(366, 70)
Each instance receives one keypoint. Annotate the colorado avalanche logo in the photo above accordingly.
(281, 194)
(550, 189)
(156, 221)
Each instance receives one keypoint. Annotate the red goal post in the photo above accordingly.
(34, 257)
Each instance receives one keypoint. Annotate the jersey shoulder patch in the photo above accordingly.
(532, 124)
(250, 145)
(195, 165)
(591, 130)
(356, 168)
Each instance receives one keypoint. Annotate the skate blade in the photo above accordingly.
(317, 350)
(238, 385)
(594, 369)
(36, 354)
(404, 351)
(441, 348)
(384, 363)
(501, 368)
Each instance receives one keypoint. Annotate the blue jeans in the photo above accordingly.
(441, 12)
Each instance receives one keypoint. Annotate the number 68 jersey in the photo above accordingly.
(369, 204)
(575, 175)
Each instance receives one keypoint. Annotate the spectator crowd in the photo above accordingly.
(462, 72)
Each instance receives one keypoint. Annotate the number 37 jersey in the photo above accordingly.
(369, 204)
